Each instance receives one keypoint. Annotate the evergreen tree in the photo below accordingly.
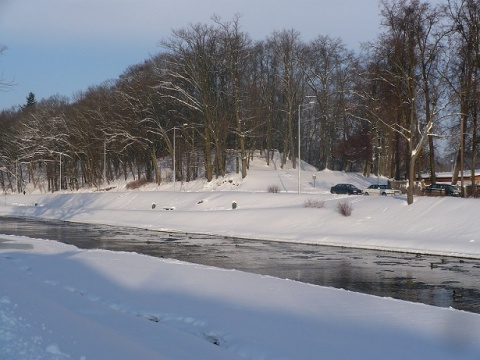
(31, 102)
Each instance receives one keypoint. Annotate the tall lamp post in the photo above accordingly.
(60, 172)
(61, 166)
(174, 159)
(299, 140)
(299, 144)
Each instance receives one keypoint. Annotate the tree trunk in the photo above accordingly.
(208, 156)
(411, 182)
(158, 177)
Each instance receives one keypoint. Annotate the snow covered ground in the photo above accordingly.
(59, 302)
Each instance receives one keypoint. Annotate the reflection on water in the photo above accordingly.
(439, 281)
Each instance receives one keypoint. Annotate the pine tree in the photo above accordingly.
(31, 102)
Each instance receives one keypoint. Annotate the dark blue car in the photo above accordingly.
(345, 189)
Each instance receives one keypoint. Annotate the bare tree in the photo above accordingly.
(262, 97)
(329, 67)
(4, 84)
(138, 105)
(287, 50)
(192, 78)
(236, 47)
(8, 148)
(464, 16)
(411, 49)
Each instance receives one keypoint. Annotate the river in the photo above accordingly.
(439, 281)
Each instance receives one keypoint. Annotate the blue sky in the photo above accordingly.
(65, 46)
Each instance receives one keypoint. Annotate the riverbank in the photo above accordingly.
(439, 226)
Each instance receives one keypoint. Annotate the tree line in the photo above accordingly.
(405, 104)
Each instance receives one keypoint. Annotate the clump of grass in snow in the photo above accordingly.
(273, 189)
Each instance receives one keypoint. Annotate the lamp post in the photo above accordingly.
(61, 177)
(378, 148)
(299, 144)
(104, 161)
(299, 140)
(60, 172)
(174, 159)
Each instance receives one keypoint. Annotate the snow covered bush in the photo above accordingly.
(345, 208)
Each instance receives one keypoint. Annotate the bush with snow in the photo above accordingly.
(273, 189)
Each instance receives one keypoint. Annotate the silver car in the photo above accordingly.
(384, 190)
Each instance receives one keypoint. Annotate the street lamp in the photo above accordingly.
(60, 155)
(299, 140)
(174, 159)
(104, 161)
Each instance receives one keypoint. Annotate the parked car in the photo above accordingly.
(345, 189)
(384, 190)
(441, 190)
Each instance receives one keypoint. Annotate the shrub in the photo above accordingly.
(314, 203)
(273, 189)
(135, 184)
(345, 208)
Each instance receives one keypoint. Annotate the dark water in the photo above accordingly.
(439, 281)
